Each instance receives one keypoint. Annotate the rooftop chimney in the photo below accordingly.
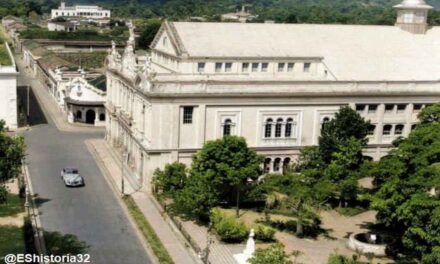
(412, 16)
(63, 5)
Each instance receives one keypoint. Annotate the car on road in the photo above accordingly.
(71, 177)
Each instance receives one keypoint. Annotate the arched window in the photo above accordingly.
(267, 165)
(278, 127)
(79, 114)
(288, 129)
(268, 128)
(387, 130)
(324, 121)
(286, 164)
(227, 127)
(398, 130)
(165, 41)
(276, 165)
(102, 117)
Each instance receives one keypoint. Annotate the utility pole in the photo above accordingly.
(124, 156)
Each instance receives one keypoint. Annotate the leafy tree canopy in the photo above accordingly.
(408, 182)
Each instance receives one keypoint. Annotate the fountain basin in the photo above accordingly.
(367, 243)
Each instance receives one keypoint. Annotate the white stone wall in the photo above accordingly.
(8, 92)
(157, 132)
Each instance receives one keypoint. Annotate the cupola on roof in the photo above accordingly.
(413, 4)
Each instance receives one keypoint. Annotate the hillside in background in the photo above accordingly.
(282, 11)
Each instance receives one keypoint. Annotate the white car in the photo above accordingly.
(71, 177)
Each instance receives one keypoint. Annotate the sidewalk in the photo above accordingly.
(49, 106)
(173, 241)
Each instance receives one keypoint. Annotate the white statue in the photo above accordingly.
(242, 258)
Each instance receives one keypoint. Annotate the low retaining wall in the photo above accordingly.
(356, 245)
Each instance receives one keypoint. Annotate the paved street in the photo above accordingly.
(93, 213)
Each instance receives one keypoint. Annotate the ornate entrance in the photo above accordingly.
(90, 117)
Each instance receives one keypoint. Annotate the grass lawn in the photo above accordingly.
(148, 232)
(12, 207)
(11, 240)
(4, 55)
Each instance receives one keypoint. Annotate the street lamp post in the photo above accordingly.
(125, 156)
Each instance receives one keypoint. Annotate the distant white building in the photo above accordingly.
(241, 16)
(89, 11)
(84, 103)
(62, 26)
(80, 95)
(8, 89)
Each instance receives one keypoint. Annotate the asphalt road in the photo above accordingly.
(91, 212)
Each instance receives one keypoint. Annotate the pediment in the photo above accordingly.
(164, 43)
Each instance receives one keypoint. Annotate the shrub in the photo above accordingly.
(273, 255)
(264, 233)
(172, 178)
(339, 259)
(229, 229)
(3, 195)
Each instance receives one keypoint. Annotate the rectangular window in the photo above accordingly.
(188, 114)
(264, 66)
(401, 108)
(290, 66)
(218, 66)
(281, 66)
(255, 67)
(360, 107)
(307, 67)
(201, 67)
(372, 108)
(389, 108)
(245, 67)
(418, 107)
(228, 66)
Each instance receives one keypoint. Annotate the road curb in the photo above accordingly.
(113, 186)
(33, 213)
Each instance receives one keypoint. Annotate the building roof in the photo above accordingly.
(100, 83)
(351, 52)
(52, 61)
(11, 17)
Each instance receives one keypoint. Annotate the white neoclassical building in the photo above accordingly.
(80, 94)
(8, 88)
(88, 11)
(84, 102)
(274, 84)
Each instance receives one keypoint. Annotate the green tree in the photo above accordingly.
(338, 157)
(346, 125)
(148, 33)
(196, 199)
(407, 200)
(273, 255)
(220, 173)
(171, 179)
(228, 164)
(11, 155)
(430, 114)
